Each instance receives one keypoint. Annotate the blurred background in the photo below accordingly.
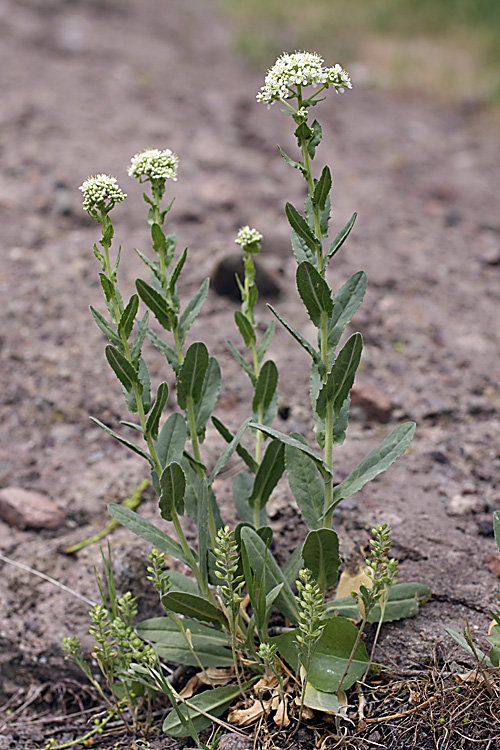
(444, 48)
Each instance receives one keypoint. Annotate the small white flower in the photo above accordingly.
(300, 69)
(101, 192)
(247, 236)
(154, 164)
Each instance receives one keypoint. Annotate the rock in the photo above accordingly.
(26, 509)
(375, 404)
(485, 528)
(464, 505)
(234, 741)
(493, 563)
(223, 282)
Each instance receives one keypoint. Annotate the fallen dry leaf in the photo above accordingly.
(243, 717)
(214, 676)
(349, 582)
(281, 716)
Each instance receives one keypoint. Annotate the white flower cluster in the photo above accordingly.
(101, 192)
(154, 164)
(247, 236)
(300, 69)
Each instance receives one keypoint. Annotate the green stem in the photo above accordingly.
(351, 655)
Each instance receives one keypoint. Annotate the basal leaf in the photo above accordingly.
(192, 374)
(195, 607)
(171, 645)
(404, 600)
(314, 292)
(213, 702)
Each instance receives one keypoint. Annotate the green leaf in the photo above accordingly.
(268, 474)
(170, 644)
(340, 239)
(202, 524)
(377, 461)
(297, 336)
(156, 303)
(316, 138)
(306, 484)
(153, 265)
(242, 452)
(322, 188)
(265, 387)
(314, 292)
(142, 330)
(124, 441)
(127, 317)
(209, 395)
(192, 310)
(159, 239)
(341, 377)
(242, 363)
(496, 526)
(331, 656)
(345, 303)
(105, 327)
(173, 489)
(122, 368)
(404, 600)
(324, 217)
(325, 471)
(228, 452)
(319, 701)
(301, 251)
(266, 339)
(294, 164)
(213, 702)
(245, 328)
(475, 653)
(261, 560)
(171, 440)
(177, 271)
(192, 374)
(321, 555)
(242, 489)
(153, 419)
(301, 227)
(180, 582)
(293, 565)
(168, 351)
(149, 532)
(194, 607)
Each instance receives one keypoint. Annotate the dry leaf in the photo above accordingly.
(349, 582)
(281, 716)
(191, 687)
(267, 682)
(214, 676)
(243, 717)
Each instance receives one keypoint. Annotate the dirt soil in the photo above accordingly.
(84, 86)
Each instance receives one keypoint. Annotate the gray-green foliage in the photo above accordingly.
(205, 624)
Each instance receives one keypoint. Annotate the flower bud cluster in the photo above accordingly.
(249, 239)
(380, 567)
(226, 562)
(154, 164)
(311, 609)
(300, 69)
(101, 193)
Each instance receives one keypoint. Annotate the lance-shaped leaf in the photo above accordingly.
(153, 419)
(324, 217)
(165, 349)
(340, 421)
(268, 474)
(192, 374)
(133, 447)
(265, 341)
(242, 489)
(304, 343)
(127, 317)
(340, 239)
(292, 163)
(171, 440)
(158, 237)
(260, 559)
(301, 227)
(192, 310)
(170, 644)
(341, 377)
(177, 271)
(307, 486)
(496, 527)
(122, 368)
(314, 292)
(228, 452)
(149, 532)
(241, 450)
(288, 440)
(322, 188)
(404, 601)
(209, 395)
(301, 251)
(142, 330)
(315, 140)
(377, 461)
(105, 327)
(266, 386)
(321, 555)
(156, 303)
(345, 303)
(245, 328)
(242, 363)
(212, 702)
(153, 265)
(173, 489)
(195, 607)
(202, 523)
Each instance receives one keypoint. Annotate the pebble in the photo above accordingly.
(464, 505)
(26, 509)
(375, 404)
(233, 741)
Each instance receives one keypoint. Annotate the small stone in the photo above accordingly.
(485, 528)
(464, 505)
(234, 741)
(493, 563)
(26, 509)
(375, 404)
